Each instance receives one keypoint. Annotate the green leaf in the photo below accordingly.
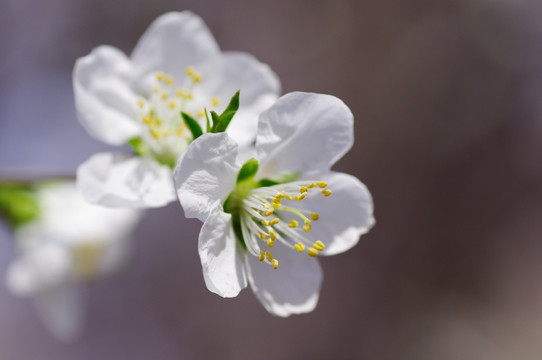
(281, 179)
(248, 170)
(216, 120)
(138, 146)
(18, 203)
(222, 122)
(192, 125)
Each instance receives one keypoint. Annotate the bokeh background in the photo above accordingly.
(447, 100)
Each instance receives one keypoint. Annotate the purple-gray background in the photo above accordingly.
(447, 100)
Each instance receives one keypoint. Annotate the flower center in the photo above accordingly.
(86, 259)
(270, 214)
(165, 134)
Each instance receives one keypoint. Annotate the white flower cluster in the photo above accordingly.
(263, 187)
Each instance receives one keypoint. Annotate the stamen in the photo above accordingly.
(215, 102)
(318, 245)
(270, 243)
(293, 224)
(160, 75)
(263, 235)
(262, 256)
(314, 216)
(272, 235)
(201, 113)
(312, 252)
(326, 192)
(299, 247)
(140, 103)
(275, 264)
(190, 71)
(321, 184)
(268, 256)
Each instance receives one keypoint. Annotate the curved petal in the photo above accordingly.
(344, 216)
(260, 88)
(293, 288)
(118, 181)
(175, 41)
(105, 103)
(221, 256)
(61, 310)
(206, 174)
(303, 133)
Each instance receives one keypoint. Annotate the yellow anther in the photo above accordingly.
(190, 71)
(263, 235)
(172, 104)
(270, 243)
(269, 212)
(307, 222)
(296, 197)
(307, 227)
(275, 221)
(301, 197)
(146, 119)
(321, 184)
(312, 252)
(272, 235)
(310, 186)
(299, 247)
(326, 192)
(179, 132)
(169, 80)
(160, 75)
(201, 113)
(293, 223)
(262, 256)
(289, 197)
(303, 189)
(188, 96)
(268, 256)
(157, 122)
(318, 245)
(266, 223)
(164, 95)
(215, 101)
(155, 89)
(140, 103)
(155, 134)
(314, 216)
(275, 264)
(197, 78)
(179, 92)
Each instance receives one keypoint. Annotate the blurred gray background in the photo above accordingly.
(447, 99)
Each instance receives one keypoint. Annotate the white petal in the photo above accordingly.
(105, 103)
(293, 288)
(206, 174)
(344, 216)
(303, 133)
(260, 88)
(42, 267)
(175, 41)
(221, 256)
(118, 181)
(61, 310)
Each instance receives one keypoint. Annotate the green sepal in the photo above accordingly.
(221, 122)
(18, 203)
(192, 125)
(207, 120)
(248, 170)
(281, 179)
(138, 146)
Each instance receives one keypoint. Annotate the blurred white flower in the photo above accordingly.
(70, 243)
(176, 66)
(287, 206)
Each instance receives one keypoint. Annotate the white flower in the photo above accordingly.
(176, 66)
(283, 213)
(70, 243)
